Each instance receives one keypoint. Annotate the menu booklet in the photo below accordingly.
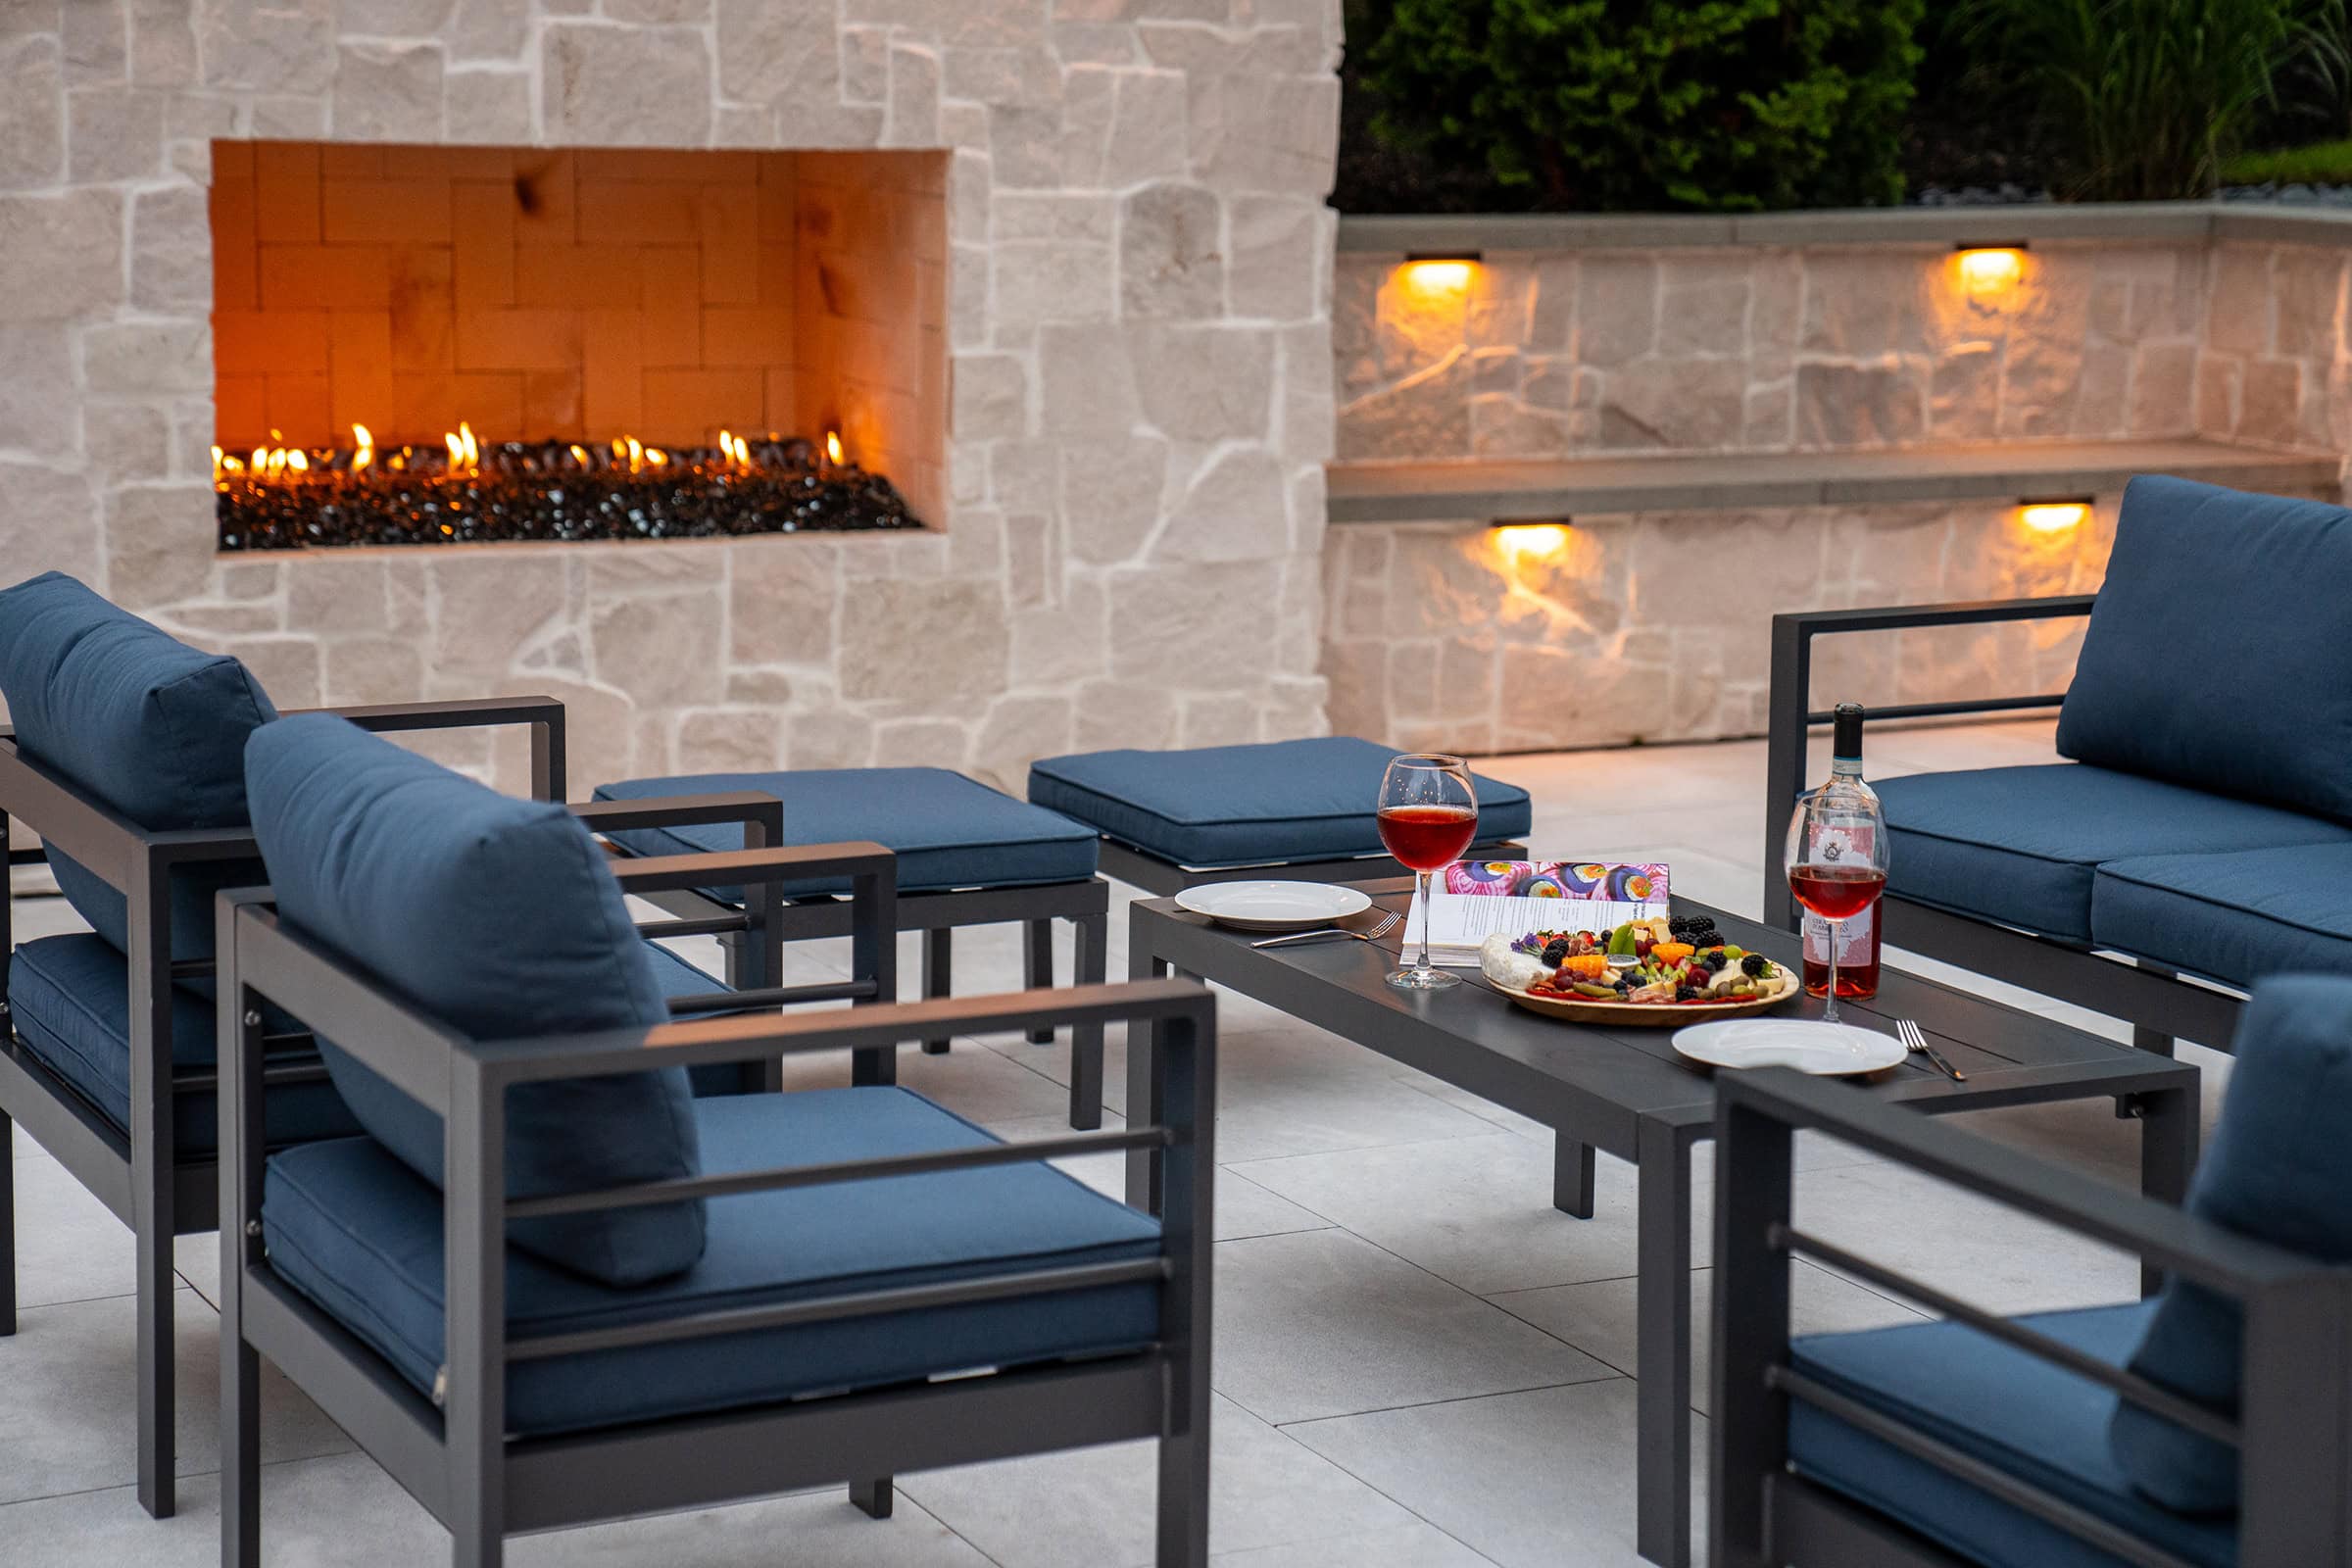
(1472, 900)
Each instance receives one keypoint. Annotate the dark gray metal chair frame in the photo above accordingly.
(1164, 880)
(936, 914)
(140, 1176)
(2158, 1004)
(458, 1460)
(2294, 1438)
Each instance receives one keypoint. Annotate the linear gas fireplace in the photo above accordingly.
(427, 345)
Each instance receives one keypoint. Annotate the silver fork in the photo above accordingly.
(1915, 1039)
(1387, 924)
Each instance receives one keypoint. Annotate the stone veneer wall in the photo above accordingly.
(1138, 340)
(2277, 367)
(1656, 626)
(1764, 348)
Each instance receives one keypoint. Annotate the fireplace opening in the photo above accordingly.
(425, 345)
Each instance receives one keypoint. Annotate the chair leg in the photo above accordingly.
(240, 1450)
(157, 1417)
(873, 1498)
(939, 980)
(1183, 1502)
(8, 1226)
(1037, 963)
(1089, 955)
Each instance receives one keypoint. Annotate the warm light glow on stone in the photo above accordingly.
(1525, 541)
(2052, 517)
(1439, 276)
(1990, 272)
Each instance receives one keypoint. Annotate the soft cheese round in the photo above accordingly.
(1499, 963)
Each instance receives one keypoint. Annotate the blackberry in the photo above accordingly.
(1752, 965)
(1686, 992)
(1556, 950)
(1678, 924)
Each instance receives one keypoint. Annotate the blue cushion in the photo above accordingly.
(2233, 917)
(500, 919)
(2020, 845)
(69, 999)
(2217, 651)
(1284, 801)
(362, 1237)
(946, 830)
(2277, 1169)
(1999, 1406)
(146, 724)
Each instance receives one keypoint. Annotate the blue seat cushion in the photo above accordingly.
(2277, 1169)
(2233, 917)
(2216, 653)
(361, 1235)
(1999, 1406)
(153, 729)
(2021, 845)
(1281, 801)
(500, 919)
(946, 830)
(69, 999)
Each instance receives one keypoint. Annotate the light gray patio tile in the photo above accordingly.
(970, 1079)
(1475, 1211)
(345, 1512)
(1324, 1323)
(1969, 1247)
(69, 1402)
(1600, 1319)
(1093, 1508)
(1536, 1480)
(1415, 1545)
(69, 1247)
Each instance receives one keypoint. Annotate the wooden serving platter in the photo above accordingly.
(1654, 1014)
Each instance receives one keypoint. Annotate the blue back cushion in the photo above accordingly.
(2219, 650)
(150, 727)
(2279, 1169)
(499, 919)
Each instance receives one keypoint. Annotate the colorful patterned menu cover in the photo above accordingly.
(1472, 900)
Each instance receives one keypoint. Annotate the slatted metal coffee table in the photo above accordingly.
(1624, 1092)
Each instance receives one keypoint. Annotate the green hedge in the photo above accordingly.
(1641, 105)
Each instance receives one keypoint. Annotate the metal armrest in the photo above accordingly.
(793, 862)
(2181, 1243)
(1789, 714)
(748, 807)
(544, 715)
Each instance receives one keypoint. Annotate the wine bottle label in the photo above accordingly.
(1853, 938)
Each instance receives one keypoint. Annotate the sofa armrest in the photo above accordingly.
(748, 807)
(1790, 717)
(544, 715)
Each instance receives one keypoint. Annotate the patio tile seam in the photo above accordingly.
(1611, 1375)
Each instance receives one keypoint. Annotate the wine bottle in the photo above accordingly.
(1857, 935)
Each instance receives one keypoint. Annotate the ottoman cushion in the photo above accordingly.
(1281, 800)
(946, 830)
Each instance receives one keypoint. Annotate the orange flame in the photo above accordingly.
(464, 453)
(362, 451)
(833, 445)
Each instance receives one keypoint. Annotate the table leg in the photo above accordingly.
(2168, 1155)
(1571, 1176)
(1662, 1354)
(1142, 1104)
(939, 976)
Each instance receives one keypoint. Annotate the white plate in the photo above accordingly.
(1273, 906)
(1806, 1044)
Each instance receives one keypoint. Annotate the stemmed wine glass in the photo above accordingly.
(1838, 861)
(1428, 816)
